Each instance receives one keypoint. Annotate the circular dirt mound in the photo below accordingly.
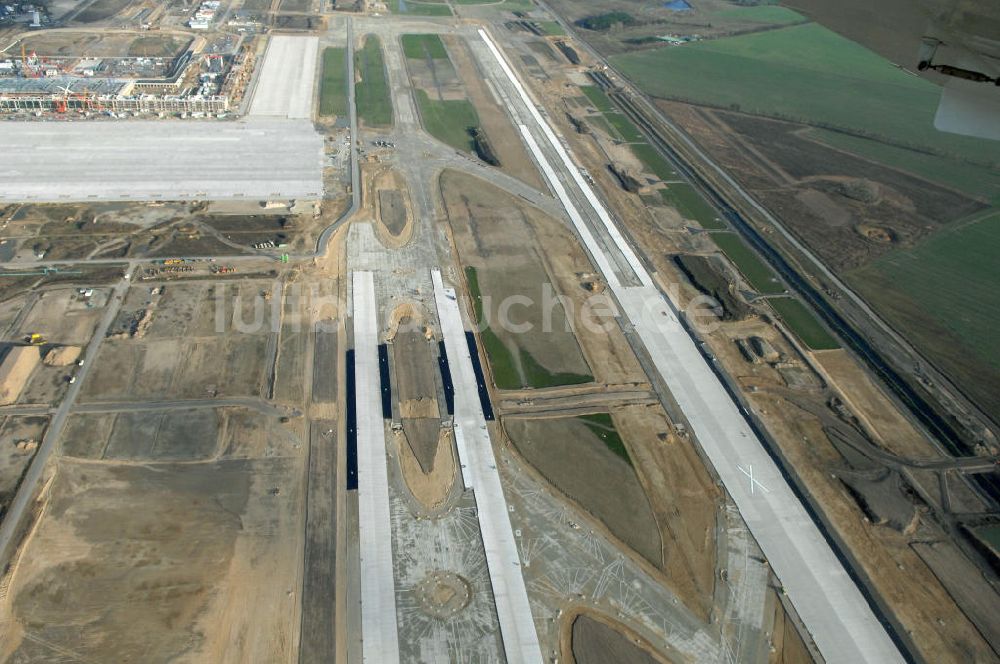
(878, 234)
(443, 594)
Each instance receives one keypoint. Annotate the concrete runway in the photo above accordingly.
(479, 473)
(832, 608)
(160, 160)
(380, 641)
(287, 79)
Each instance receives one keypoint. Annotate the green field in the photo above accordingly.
(628, 131)
(945, 293)
(691, 205)
(614, 122)
(333, 85)
(420, 47)
(975, 180)
(991, 535)
(622, 125)
(418, 9)
(805, 73)
(803, 323)
(551, 28)
(768, 14)
(754, 270)
(604, 428)
(372, 92)
(648, 155)
(449, 120)
(501, 359)
(597, 97)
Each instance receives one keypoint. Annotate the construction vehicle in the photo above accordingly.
(35, 339)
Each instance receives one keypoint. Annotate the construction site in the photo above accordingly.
(433, 351)
(194, 83)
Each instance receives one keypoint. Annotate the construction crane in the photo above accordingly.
(29, 64)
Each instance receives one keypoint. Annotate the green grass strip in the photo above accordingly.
(448, 120)
(754, 270)
(333, 85)
(372, 93)
(419, 47)
(803, 323)
(691, 205)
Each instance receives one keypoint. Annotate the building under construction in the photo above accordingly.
(66, 93)
(194, 85)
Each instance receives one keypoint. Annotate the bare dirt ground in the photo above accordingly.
(683, 497)
(19, 438)
(393, 208)
(193, 562)
(103, 44)
(572, 458)
(116, 230)
(185, 352)
(787, 644)
(429, 487)
(436, 76)
(504, 138)
(416, 390)
(870, 404)
(930, 615)
(595, 641)
(496, 241)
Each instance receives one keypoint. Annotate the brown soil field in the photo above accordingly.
(504, 137)
(938, 627)
(389, 197)
(126, 229)
(873, 407)
(683, 497)
(192, 561)
(437, 76)
(392, 211)
(413, 358)
(429, 487)
(298, 22)
(497, 235)
(103, 45)
(63, 316)
(100, 10)
(595, 642)
(181, 355)
(490, 230)
(296, 6)
(578, 463)
(19, 439)
(787, 644)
